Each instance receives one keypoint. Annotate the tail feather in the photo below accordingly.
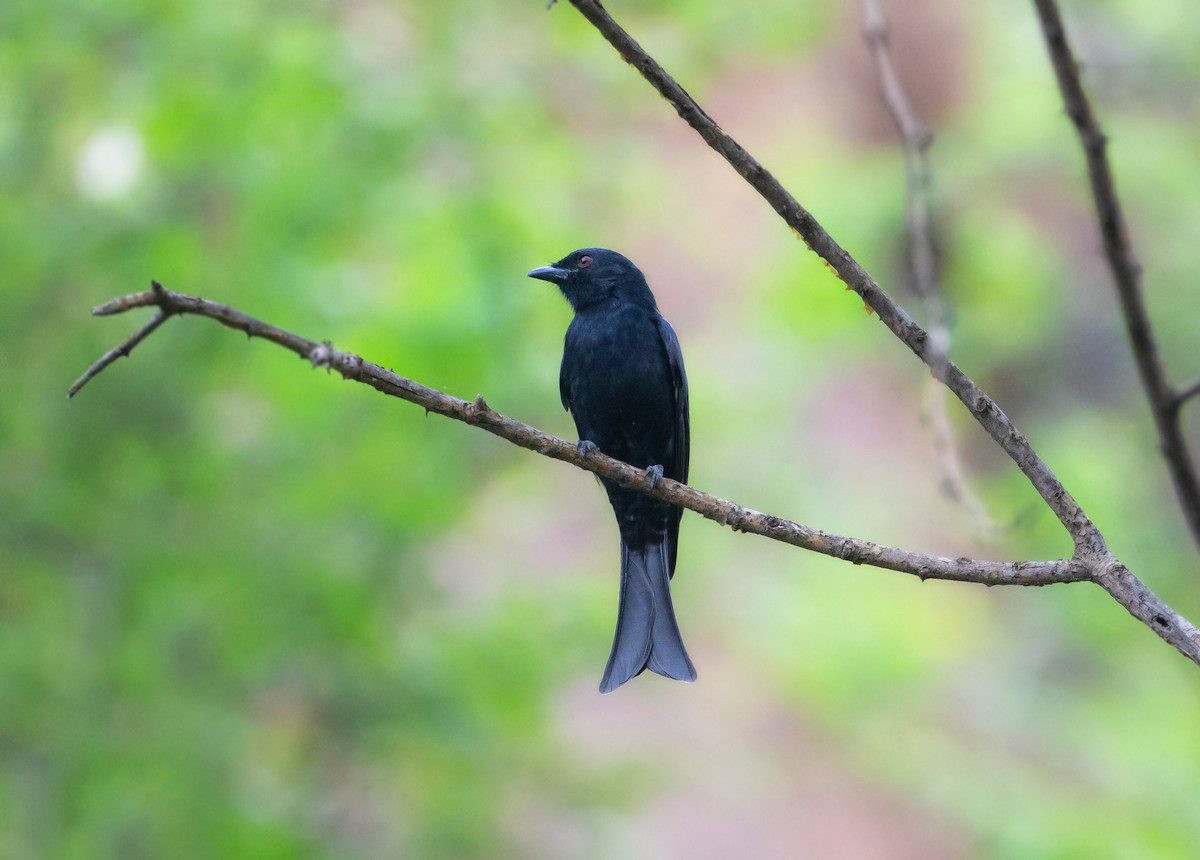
(667, 655)
(647, 634)
(635, 623)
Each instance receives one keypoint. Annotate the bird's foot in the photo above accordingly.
(654, 474)
(586, 448)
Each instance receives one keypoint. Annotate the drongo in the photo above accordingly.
(623, 382)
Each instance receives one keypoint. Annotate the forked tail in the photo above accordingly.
(647, 633)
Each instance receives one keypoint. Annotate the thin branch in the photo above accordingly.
(1090, 546)
(478, 414)
(121, 351)
(1127, 273)
(1122, 584)
(1186, 393)
(982, 408)
(916, 140)
(918, 217)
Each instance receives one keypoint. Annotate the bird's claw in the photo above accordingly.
(585, 448)
(654, 474)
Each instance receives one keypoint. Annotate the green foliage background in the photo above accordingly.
(247, 610)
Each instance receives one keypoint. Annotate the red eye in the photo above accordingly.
(585, 261)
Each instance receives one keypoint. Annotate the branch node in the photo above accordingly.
(734, 517)
(162, 298)
(1183, 395)
(351, 366)
(321, 355)
(844, 549)
(478, 411)
(1110, 568)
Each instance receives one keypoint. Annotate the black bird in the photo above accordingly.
(623, 382)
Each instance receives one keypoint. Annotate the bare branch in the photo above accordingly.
(478, 414)
(1125, 587)
(1127, 273)
(918, 216)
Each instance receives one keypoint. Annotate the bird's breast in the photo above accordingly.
(621, 390)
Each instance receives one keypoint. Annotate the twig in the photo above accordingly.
(478, 414)
(918, 216)
(1133, 594)
(1186, 393)
(916, 140)
(121, 351)
(1127, 273)
(1090, 546)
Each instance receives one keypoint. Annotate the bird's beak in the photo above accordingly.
(549, 273)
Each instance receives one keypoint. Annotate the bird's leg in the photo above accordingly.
(585, 447)
(654, 474)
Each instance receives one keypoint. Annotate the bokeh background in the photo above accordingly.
(250, 610)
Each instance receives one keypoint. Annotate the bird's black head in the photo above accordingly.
(590, 275)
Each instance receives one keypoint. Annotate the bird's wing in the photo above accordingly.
(564, 388)
(678, 468)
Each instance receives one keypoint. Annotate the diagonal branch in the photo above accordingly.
(982, 407)
(1122, 584)
(1165, 402)
(915, 141)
